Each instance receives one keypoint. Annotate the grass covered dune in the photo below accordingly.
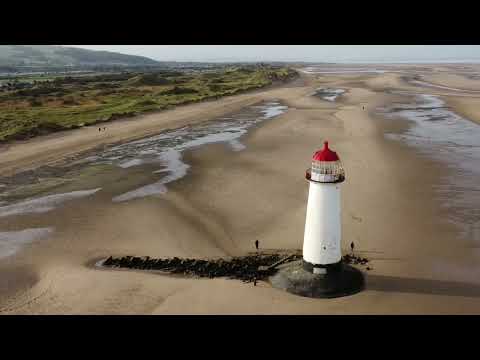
(36, 106)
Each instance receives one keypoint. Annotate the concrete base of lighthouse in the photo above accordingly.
(337, 281)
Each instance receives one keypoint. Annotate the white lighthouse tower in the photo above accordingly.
(323, 232)
(322, 273)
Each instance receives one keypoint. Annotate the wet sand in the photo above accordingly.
(390, 209)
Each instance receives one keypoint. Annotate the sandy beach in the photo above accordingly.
(423, 260)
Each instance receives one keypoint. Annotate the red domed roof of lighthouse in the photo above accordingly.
(326, 154)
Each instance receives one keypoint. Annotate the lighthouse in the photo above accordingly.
(322, 273)
(323, 231)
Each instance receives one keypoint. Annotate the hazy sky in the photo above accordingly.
(313, 53)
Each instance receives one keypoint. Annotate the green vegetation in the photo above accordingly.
(30, 106)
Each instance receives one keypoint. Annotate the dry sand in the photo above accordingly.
(230, 199)
(467, 107)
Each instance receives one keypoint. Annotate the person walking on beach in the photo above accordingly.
(99, 129)
(352, 246)
(254, 281)
(256, 244)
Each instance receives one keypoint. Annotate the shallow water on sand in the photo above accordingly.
(163, 151)
(12, 241)
(166, 149)
(157, 159)
(324, 70)
(44, 203)
(329, 94)
(454, 141)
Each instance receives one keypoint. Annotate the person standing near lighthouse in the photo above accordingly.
(322, 237)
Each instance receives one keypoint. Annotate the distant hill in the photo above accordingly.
(50, 55)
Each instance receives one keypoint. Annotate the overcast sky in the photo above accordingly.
(312, 53)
